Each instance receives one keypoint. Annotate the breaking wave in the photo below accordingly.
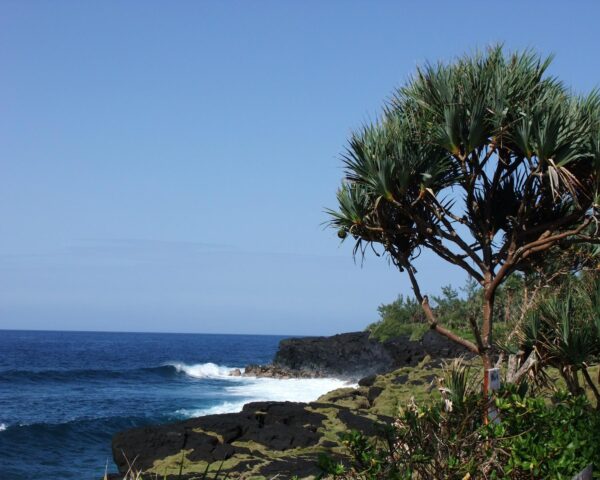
(204, 370)
(201, 370)
(252, 389)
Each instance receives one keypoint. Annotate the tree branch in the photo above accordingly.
(593, 387)
(529, 363)
(477, 333)
(433, 324)
(435, 244)
(414, 283)
(546, 240)
(452, 236)
(447, 254)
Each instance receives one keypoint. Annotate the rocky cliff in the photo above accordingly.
(355, 355)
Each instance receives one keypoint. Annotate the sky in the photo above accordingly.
(165, 166)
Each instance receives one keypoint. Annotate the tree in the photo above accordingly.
(563, 331)
(488, 162)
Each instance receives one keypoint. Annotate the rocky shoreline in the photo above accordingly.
(273, 371)
(263, 440)
(286, 438)
(350, 356)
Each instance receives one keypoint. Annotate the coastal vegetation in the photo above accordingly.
(546, 423)
(405, 316)
(537, 436)
(494, 166)
(488, 162)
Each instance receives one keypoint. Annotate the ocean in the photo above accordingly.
(64, 394)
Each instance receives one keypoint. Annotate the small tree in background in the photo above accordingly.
(564, 332)
(487, 162)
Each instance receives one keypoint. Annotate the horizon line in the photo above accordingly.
(153, 332)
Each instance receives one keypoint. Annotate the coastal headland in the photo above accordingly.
(287, 438)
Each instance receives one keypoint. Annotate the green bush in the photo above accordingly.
(404, 316)
(535, 439)
(546, 441)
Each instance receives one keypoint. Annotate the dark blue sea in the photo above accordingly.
(64, 394)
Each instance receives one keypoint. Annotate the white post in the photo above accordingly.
(493, 379)
(585, 474)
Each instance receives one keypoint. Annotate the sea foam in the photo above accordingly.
(3, 427)
(253, 389)
(204, 370)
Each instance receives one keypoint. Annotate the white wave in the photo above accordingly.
(252, 389)
(225, 407)
(292, 389)
(3, 427)
(205, 370)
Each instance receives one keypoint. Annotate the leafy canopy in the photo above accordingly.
(487, 161)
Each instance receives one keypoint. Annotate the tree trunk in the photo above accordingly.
(593, 387)
(486, 333)
(571, 379)
(488, 315)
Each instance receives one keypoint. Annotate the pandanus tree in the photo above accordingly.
(564, 332)
(488, 162)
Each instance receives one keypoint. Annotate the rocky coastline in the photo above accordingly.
(350, 356)
(286, 438)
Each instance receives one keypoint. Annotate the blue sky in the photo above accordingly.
(164, 166)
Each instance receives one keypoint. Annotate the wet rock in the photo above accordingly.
(373, 393)
(367, 381)
(285, 438)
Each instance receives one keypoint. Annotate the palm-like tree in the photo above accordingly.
(564, 332)
(488, 162)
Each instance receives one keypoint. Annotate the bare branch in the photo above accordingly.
(414, 283)
(546, 240)
(447, 254)
(452, 236)
(433, 324)
(527, 365)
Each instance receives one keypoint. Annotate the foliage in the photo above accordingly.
(488, 162)
(546, 441)
(535, 439)
(563, 332)
(404, 316)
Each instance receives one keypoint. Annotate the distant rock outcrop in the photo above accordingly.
(274, 371)
(355, 355)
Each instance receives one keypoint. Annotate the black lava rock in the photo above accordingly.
(278, 426)
(356, 355)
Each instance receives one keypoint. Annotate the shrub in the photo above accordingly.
(535, 439)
